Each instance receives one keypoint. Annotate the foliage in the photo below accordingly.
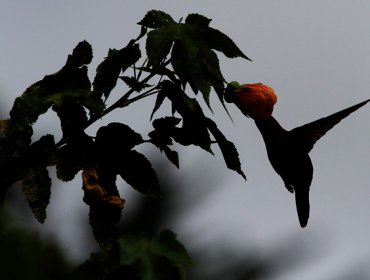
(178, 54)
(138, 257)
(26, 255)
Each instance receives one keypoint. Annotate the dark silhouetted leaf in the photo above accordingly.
(41, 151)
(165, 124)
(158, 102)
(117, 137)
(74, 156)
(189, 59)
(228, 149)
(109, 70)
(134, 84)
(156, 19)
(198, 20)
(66, 173)
(217, 40)
(35, 178)
(72, 117)
(138, 172)
(192, 57)
(36, 188)
(71, 82)
(158, 44)
(172, 156)
(82, 54)
(194, 129)
(161, 137)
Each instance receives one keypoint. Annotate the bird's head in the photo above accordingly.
(254, 100)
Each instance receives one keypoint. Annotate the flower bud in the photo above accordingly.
(254, 100)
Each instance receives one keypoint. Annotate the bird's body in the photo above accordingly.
(288, 153)
(286, 150)
(290, 161)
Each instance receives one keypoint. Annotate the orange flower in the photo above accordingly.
(254, 100)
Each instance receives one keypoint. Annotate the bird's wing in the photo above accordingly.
(308, 134)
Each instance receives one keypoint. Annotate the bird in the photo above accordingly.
(287, 150)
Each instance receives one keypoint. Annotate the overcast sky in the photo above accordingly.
(315, 54)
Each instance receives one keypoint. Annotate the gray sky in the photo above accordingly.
(315, 54)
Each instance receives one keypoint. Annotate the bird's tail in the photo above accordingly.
(303, 206)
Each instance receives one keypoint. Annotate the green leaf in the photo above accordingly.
(36, 188)
(138, 172)
(189, 59)
(217, 40)
(70, 82)
(158, 45)
(192, 56)
(194, 129)
(156, 19)
(116, 62)
(228, 149)
(161, 257)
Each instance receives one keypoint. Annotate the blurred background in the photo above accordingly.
(316, 55)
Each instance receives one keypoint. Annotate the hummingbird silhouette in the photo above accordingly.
(288, 152)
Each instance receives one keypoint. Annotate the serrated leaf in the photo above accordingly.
(40, 151)
(228, 149)
(29, 165)
(36, 188)
(189, 59)
(103, 221)
(158, 102)
(217, 40)
(161, 257)
(161, 137)
(198, 19)
(156, 19)
(194, 130)
(82, 54)
(66, 173)
(72, 117)
(134, 84)
(172, 156)
(72, 157)
(138, 172)
(164, 130)
(116, 137)
(3, 128)
(70, 82)
(158, 44)
(110, 69)
(166, 124)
